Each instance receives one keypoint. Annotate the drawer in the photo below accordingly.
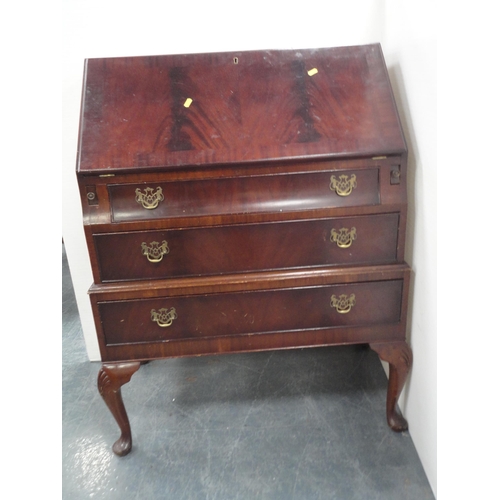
(219, 315)
(251, 194)
(250, 247)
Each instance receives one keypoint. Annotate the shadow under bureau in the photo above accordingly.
(244, 201)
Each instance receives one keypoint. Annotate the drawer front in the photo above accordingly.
(250, 247)
(256, 194)
(257, 312)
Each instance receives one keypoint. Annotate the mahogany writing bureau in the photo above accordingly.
(243, 201)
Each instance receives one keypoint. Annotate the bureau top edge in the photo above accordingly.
(321, 162)
(156, 113)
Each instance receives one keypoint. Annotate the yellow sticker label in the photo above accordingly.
(188, 102)
(312, 72)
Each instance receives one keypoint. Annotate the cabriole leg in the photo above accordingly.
(399, 357)
(109, 381)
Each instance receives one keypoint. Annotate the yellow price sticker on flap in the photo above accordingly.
(188, 102)
(312, 71)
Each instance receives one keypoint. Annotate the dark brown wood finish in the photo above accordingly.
(266, 107)
(257, 312)
(400, 359)
(247, 247)
(110, 379)
(166, 291)
(240, 202)
(269, 193)
(280, 205)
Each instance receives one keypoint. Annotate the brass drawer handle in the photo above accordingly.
(164, 317)
(149, 199)
(343, 186)
(155, 251)
(343, 237)
(343, 303)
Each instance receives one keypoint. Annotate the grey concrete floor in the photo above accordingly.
(294, 425)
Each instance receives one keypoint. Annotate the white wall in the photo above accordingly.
(411, 55)
(117, 28)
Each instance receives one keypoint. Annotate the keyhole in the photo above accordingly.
(235, 60)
